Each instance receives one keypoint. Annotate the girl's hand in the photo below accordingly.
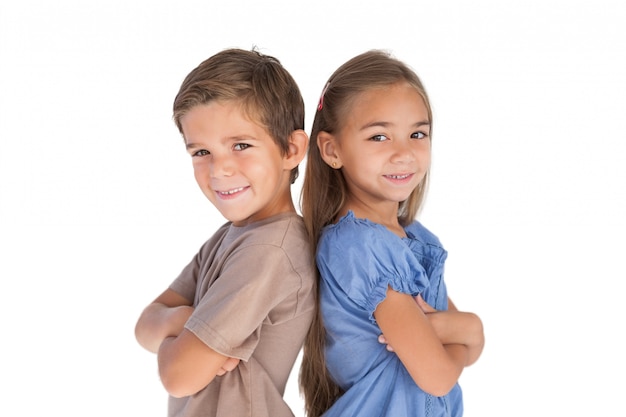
(382, 340)
(426, 308)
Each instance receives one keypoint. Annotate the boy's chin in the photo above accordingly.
(237, 219)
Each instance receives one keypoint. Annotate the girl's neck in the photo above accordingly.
(386, 215)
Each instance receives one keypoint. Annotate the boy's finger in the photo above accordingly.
(230, 364)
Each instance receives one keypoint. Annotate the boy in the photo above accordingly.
(228, 330)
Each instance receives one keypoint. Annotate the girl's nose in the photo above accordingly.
(403, 152)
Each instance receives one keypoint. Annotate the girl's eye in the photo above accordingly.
(201, 152)
(379, 138)
(418, 135)
(240, 146)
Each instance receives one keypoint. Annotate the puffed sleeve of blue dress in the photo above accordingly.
(358, 260)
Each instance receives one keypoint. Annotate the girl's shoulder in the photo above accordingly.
(363, 230)
(418, 231)
(357, 230)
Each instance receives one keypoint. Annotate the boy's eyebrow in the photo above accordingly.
(189, 145)
(234, 138)
(387, 124)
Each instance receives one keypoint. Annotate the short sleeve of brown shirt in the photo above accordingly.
(252, 289)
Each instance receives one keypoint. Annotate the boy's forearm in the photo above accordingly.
(158, 322)
(187, 364)
(148, 330)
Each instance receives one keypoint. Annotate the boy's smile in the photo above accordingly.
(231, 193)
(237, 164)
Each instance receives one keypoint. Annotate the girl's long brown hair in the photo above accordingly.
(324, 192)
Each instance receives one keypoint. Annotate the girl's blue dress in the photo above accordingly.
(358, 260)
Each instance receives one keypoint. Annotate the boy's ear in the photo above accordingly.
(328, 149)
(298, 144)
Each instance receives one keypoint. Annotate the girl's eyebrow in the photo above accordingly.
(387, 124)
(375, 124)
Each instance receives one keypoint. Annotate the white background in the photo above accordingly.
(99, 210)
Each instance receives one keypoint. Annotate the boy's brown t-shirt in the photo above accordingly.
(253, 292)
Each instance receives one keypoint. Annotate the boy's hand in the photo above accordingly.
(229, 365)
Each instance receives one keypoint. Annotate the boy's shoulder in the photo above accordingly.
(278, 240)
(284, 230)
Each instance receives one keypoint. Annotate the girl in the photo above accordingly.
(380, 271)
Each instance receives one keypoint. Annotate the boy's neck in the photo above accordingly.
(265, 219)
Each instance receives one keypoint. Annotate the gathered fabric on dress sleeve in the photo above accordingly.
(363, 259)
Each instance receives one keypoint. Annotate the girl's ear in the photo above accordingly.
(328, 149)
(298, 144)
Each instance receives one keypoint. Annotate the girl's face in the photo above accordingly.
(383, 148)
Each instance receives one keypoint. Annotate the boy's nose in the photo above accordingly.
(221, 167)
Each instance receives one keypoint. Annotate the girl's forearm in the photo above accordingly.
(460, 328)
(459, 354)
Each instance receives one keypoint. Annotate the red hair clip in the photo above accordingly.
(321, 103)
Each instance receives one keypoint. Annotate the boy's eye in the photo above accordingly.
(240, 146)
(379, 138)
(418, 135)
(201, 152)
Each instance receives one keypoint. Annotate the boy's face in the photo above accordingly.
(236, 163)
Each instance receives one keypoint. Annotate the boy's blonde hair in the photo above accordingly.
(325, 191)
(267, 92)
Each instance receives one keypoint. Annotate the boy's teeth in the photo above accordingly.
(236, 190)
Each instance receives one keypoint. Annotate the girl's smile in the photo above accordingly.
(383, 148)
(400, 178)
